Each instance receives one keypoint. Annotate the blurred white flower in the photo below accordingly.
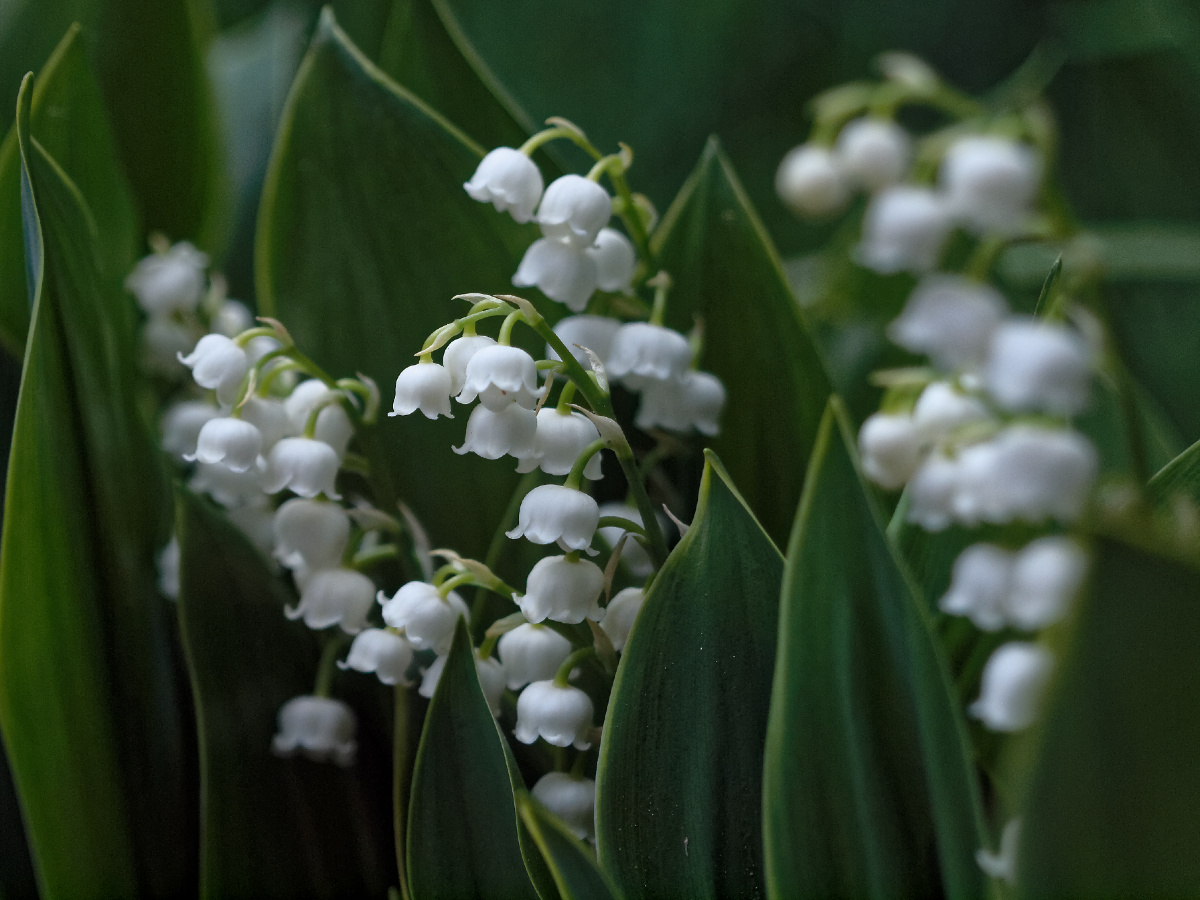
(642, 353)
(621, 613)
(615, 261)
(181, 425)
(386, 654)
(810, 182)
(334, 597)
(991, 182)
(1014, 678)
(979, 586)
(692, 402)
(1003, 863)
(890, 448)
(1039, 366)
(319, 727)
(164, 283)
(1046, 576)
(310, 533)
(594, 332)
(873, 153)
(572, 799)
(305, 466)
(904, 229)
(951, 319)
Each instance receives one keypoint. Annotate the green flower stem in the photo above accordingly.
(367, 558)
(325, 668)
(563, 675)
(250, 334)
(488, 646)
(451, 583)
(662, 286)
(506, 329)
(578, 766)
(548, 135)
(566, 395)
(621, 522)
(576, 476)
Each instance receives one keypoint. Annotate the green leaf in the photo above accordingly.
(679, 782)
(572, 864)
(89, 681)
(1113, 788)
(69, 121)
(462, 827)
(868, 787)
(365, 233)
(726, 273)
(1180, 476)
(270, 827)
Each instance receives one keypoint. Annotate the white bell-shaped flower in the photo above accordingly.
(563, 272)
(559, 440)
(692, 402)
(1013, 681)
(633, 555)
(164, 340)
(932, 492)
(491, 681)
(904, 229)
(621, 613)
(499, 376)
(334, 597)
(562, 590)
(428, 618)
(431, 677)
(510, 181)
(642, 353)
(979, 586)
(164, 283)
(386, 654)
(873, 153)
(531, 653)
(596, 333)
(1047, 575)
(552, 513)
(228, 488)
(305, 466)
(810, 182)
(1038, 366)
(615, 261)
(1026, 473)
(890, 447)
(168, 571)
(217, 363)
(510, 432)
(319, 727)
(232, 318)
(458, 353)
(572, 799)
(333, 426)
(573, 210)
(991, 182)
(231, 442)
(181, 426)
(951, 319)
(1002, 864)
(561, 716)
(270, 417)
(424, 386)
(310, 533)
(942, 408)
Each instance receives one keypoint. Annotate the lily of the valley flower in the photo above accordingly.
(427, 618)
(980, 585)
(951, 319)
(692, 402)
(310, 533)
(458, 354)
(562, 271)
(1039, 366)
(904, 229)
(217, 363)
(573, 210)
(615, 261)
(942, 408)
(233, 443)
(169, 282)
(1013, 681)
(560, 715)
(386, 654)
(181, 426)
(873, 153)
(510, 432)
(1046, 576)
(621, 613)
(509, 180)
(531, 653)
(319, 727)
(562, 590)
(633, 555)
(334, 597)
(596, 333)
(642, 353)
(558, 441)
(270, 417)
(424, 386)
(228, 488)
(810, 182)
(890, 448)
(572, 799)
(552, 513)
(304, 466)
(990, 182)
(499, 376)
(333, 426)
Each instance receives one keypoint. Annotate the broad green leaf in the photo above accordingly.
(89, 680)
(462, 827)
(868, 789)
(1180, 476)
(572, 864)
(365, 234)
(726, 274)
(1113, 788)
(69, 121)
(270, 827)
(679, 782)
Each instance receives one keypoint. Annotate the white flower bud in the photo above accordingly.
(270, 417)
(424, 386)
(552, 513)
(1038, 366)
(615, 261)
(809, 182)
(633, 555)
(168, 571)
(561, 271)
(181, 426)
(306, 467)
(227, 487)
(333, 426)
(932, 491)
(594, 332)
(232, 319)
(531, 653)
(692, 402)
(319, 727)
(334, 597)
(620, 615)
(428, 618)
(991, 182)
(1013, 681)
(562, 591)
(1003, 863)
(386, 654)
(890, 448)
(573, 211)
(164, 340)
(642, 353)
(458, 353)
(559, 440)
(873, 152)
(231, 442)
(979, 586)
(562, 716)
(509, 180)
(571, 799)
(1046, 577)
(310, 533)
(904, 229)
(941, 409)
(219, 364)
(951, 319)
(495, 434)
(500, 376)
(164, 283)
